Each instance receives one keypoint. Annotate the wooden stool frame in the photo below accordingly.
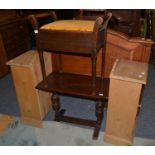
(47, 40)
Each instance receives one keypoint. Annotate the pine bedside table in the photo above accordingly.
(26, 73)
(126, 83)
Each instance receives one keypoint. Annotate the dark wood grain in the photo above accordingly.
(74, 84)
(71, 42)
(3, 59)
(15, 36)
(75, 43)
(118, 45)
(99, 111)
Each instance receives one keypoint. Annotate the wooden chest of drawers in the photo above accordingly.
(127, 21)
(15, 35)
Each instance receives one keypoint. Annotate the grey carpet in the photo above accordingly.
(51, 134)
(85, 108)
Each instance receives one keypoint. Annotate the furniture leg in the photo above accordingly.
(99, 114)
(60, 63)
(93, 73)
(42, 63)
(102, 71)
(57, 108)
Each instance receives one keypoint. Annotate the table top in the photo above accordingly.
(76, 85)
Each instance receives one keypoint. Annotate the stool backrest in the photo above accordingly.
(34, 19)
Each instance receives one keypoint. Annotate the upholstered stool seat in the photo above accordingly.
(73, 36)
(70, 25)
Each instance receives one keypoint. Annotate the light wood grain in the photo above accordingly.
(27, 59)
(123, 104)
(32, 122)
(124, 98)
(130, 71)
(26, 72)
(5, 120)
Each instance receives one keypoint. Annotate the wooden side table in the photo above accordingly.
(126, 82)
(26, 72)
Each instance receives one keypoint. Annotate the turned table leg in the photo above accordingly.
(93, 58)
(42, 64)
(99, 114)
(57, 108)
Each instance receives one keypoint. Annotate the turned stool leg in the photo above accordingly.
(93, 58)
(42, 63)
(56, 106)
(99, 114)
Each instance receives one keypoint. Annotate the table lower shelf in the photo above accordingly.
(76, 85)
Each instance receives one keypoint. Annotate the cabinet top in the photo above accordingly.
(128, 70)
(26, 59)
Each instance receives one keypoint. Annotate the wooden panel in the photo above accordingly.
(31, 121)
(26, 94)
(126, 21)
(118, 47)
(7, 15)
(122, 110)
(12, 29)
(3, 68)
(15, 35)
(75, 64)
(122, 47)
(124, 98)
(44, 98)
(18, 48)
